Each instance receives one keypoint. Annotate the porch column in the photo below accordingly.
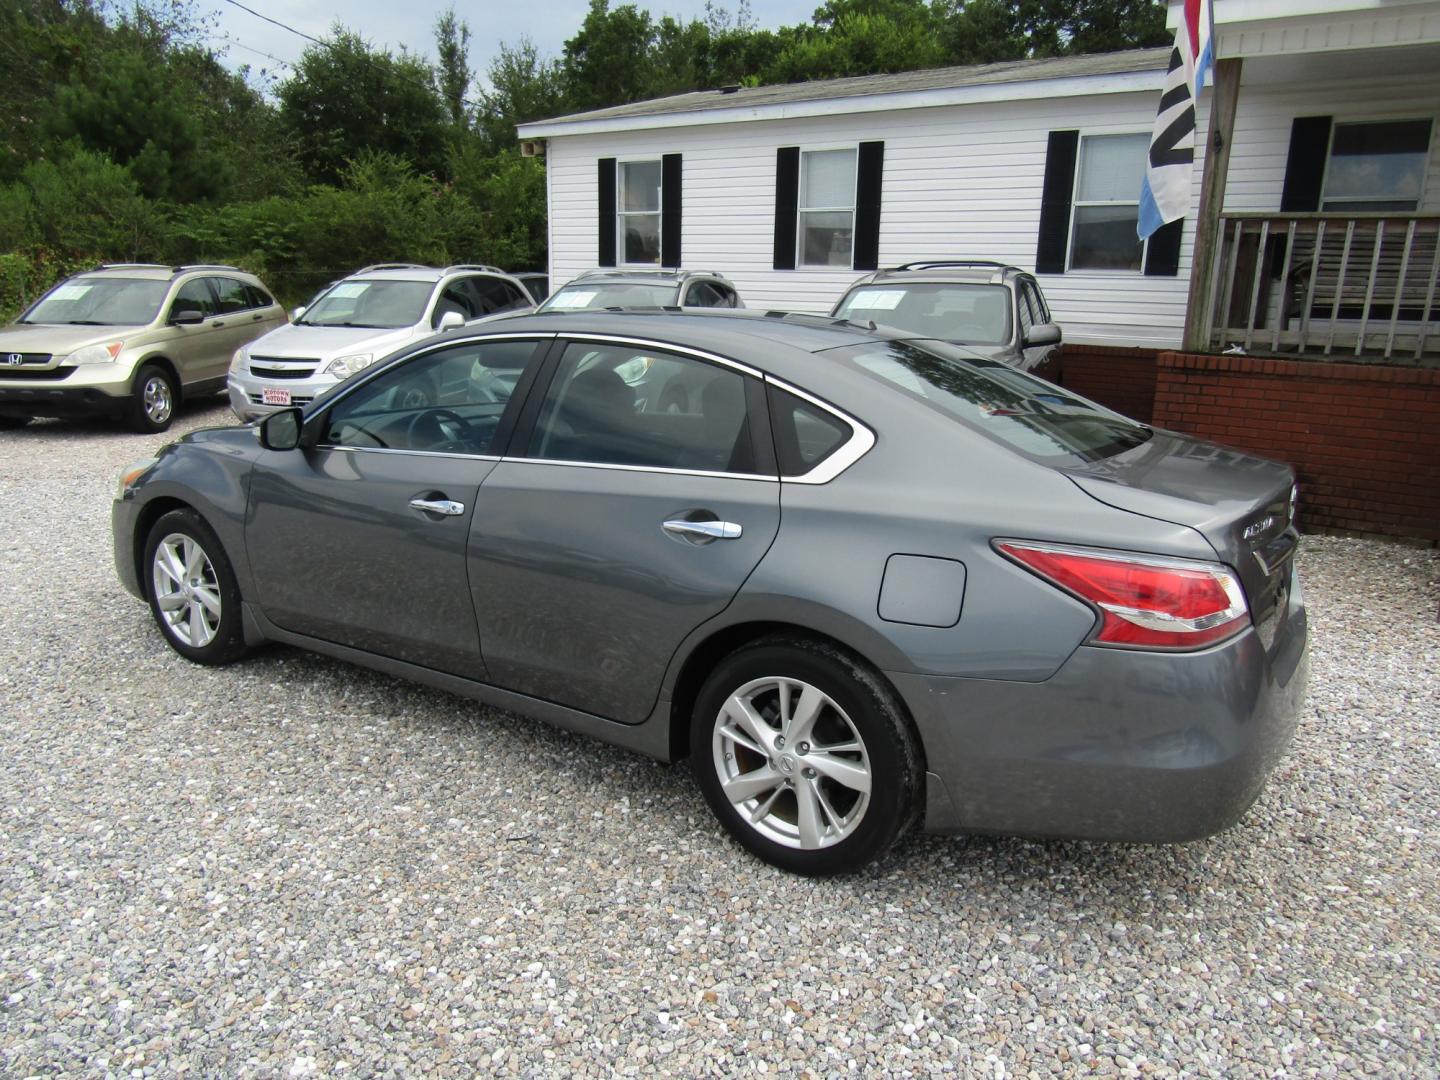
(1212, 200)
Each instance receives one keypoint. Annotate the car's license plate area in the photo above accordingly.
(275, 397)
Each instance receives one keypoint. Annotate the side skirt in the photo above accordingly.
(650, 737)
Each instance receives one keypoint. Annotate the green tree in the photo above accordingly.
(608, 61)
(452, 47)
(523, 87)
(346, 97)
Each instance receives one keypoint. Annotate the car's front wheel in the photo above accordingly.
(192, 589)
(806, 756)
(152, 404)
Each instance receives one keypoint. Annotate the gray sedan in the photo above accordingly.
(860, 580)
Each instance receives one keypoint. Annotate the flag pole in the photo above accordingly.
(1223, 98)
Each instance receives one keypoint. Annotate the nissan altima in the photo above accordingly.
(860, 580)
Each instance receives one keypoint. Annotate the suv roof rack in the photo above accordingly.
(958, 264)
(392, 266)
(475, 266)
(203, 266)
(673, 271)
(131, 266)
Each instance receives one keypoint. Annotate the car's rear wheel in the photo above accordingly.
(152, 404)
(806, 756)
(192, 589)
(10, 423)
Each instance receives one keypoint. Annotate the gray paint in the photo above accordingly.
(585, 611)
(922, 591)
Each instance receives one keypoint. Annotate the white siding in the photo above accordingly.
(959, 181)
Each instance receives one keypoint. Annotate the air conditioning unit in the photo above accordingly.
(532, 147)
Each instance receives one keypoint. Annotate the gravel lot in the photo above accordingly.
(295, 867)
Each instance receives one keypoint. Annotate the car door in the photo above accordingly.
(613, 528)
(361, 539)
(237, 321)
(196, 348)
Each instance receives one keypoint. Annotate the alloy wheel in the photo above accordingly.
(187, 590)
(156, 400)
(791, 763)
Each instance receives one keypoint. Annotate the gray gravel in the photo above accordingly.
(294, 867)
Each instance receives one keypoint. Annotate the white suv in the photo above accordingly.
(360, 319)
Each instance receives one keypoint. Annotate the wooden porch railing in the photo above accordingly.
(1328, 285)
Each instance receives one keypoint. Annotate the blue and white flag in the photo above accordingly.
(1165, 192)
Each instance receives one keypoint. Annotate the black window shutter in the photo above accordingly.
(1054, 239)
(870, 168)
(1305, 166)
(1162, 257)
(670, 210)
(787, 201)
(606, 216)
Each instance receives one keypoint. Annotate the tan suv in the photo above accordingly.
(130, 340)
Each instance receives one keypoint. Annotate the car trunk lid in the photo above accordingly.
(1240, 503)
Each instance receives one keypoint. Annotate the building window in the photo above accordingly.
(827, 207)
(1107, 203)
(638, 212)
(1377, 167)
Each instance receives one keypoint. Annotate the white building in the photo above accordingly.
(793, 191)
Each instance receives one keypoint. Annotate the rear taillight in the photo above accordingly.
(1145, 601)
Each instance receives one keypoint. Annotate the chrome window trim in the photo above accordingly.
(449, 341)
(683, 350)
(861, 441)
(405, 453)
(638, 468)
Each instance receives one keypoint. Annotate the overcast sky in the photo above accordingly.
(385, 23)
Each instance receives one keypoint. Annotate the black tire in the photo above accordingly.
(225, 642)
(153, 400)
(858, 697)
(10, 423)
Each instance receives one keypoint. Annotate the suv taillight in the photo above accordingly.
(1145, 601)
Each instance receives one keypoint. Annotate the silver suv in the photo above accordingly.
(357, 320)
(129, 340)
(997, 310)
(596, 289)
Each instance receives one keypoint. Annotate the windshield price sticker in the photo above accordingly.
(573, 299)
(348, 290)
(70, 292)
(880, 300)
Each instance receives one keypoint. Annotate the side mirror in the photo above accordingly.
(1043, 334)
(299, 311)
(280, 431)
(187, 317)
(451, 320)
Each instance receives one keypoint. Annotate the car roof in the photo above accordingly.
(163, 272)
(969, 271)
(649, 277)
(418, 272)
(735, 333)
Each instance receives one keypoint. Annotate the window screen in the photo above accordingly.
(827, 207)
(1107, 203)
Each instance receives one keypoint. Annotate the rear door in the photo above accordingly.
(613, 527)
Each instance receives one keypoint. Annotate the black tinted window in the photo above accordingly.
(494, 295)
(194, 295)
(620, 405)
(448, 401)
(805, 434)
(1027, 414)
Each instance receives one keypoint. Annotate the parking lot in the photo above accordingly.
(297, 867)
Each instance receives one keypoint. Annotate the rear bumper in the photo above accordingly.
(60, 401)
(1117, 745)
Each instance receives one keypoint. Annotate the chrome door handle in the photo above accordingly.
(448, 507)
(711, 530)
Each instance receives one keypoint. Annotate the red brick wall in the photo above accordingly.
(1365, 439)
(1123, 379)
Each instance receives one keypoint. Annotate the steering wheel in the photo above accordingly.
(431, 429)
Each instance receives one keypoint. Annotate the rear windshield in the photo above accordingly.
(605, 294)
(970, 314)
(380, 305)
(1027, 414)
(100, 301)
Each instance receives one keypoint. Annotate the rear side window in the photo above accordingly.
(1029, 415)
(231, 295)
(622, 405)
(258, 296)
(805, 434)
